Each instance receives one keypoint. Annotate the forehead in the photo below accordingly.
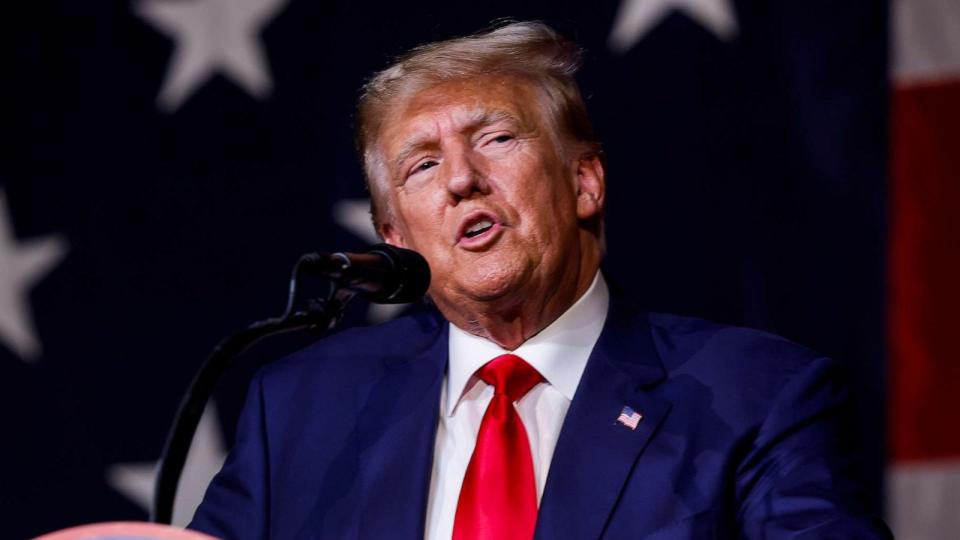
(461, 104)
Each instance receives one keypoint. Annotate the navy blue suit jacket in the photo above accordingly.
(740, 437)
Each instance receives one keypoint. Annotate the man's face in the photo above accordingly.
(480, 187)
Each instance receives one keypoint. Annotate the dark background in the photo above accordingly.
(746, 185)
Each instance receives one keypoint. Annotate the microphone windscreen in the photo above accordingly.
(411, 276)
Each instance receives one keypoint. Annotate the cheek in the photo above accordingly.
(422, 223)
(549, 195)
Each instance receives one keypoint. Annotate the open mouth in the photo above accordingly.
(478, 228)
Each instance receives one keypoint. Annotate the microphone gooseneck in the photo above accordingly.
(383, 274)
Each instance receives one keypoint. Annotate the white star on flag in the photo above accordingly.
(207, 454)
(637, 17)
(212, 36)
(21, 266)
(354, 216)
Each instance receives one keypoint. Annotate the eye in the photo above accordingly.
(497, 140)
(423, 166)
(502, 138)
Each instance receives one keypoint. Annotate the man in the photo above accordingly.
(537, 404)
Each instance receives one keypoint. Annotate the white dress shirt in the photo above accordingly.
(559, 352)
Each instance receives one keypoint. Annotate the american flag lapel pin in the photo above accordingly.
(629, 418)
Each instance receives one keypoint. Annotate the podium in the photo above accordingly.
(124, 530)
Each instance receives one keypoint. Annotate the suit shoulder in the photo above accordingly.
(740, 369)
(739, 373)
(357, 353)
(681, 340)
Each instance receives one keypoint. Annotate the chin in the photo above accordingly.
(496, 280)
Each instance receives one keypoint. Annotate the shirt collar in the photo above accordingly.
(559, 352)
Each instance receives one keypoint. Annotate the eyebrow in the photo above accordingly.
(475, 119)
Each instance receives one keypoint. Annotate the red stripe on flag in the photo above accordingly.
(924, 311)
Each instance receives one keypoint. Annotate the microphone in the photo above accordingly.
(384, 274)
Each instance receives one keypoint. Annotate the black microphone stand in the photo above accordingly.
(319, 314)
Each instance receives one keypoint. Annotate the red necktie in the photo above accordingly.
(498, 499)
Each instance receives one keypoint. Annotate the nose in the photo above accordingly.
(465, 176)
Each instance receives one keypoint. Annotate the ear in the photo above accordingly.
(392, 235)
(591, 186)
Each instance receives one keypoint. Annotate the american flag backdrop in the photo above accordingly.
(924, 291)
(164, 162)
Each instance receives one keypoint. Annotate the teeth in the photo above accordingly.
(479, 227)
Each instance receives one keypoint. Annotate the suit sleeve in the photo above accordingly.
(796, 480)
(236, 503)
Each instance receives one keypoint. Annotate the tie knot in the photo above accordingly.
(511, 375)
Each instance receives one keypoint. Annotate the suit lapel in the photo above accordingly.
(396, 432)
(595, 454)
